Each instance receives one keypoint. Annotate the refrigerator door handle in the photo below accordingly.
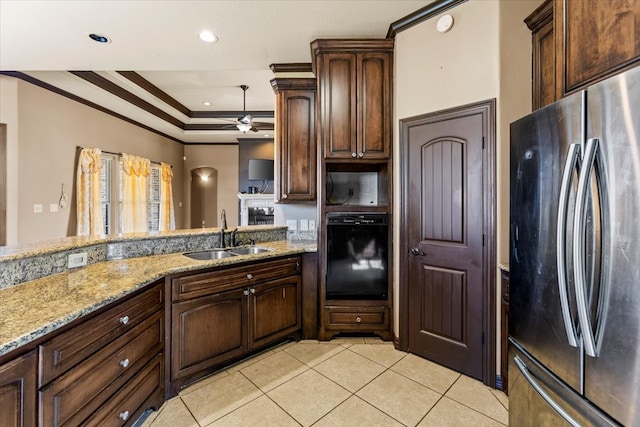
(579, 269)
(561, 242)
(522, 367)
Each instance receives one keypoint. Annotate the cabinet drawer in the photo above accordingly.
(355, 318)
(197, 285)
(142, 392)
(66, 350)
(83, 389)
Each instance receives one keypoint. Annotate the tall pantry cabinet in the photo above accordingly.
(354, 128)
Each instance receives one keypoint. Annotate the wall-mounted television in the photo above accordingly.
(260, 170)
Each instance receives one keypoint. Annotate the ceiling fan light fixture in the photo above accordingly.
(207, 36)
(244, 127)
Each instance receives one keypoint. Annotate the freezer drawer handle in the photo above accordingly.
(561, 242)
(556, 407)
(579, 248)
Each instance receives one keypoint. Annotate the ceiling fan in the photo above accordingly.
(246, 123)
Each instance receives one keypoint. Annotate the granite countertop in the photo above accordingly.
(504, 266)
(32, 309)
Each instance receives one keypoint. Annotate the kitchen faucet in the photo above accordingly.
(223, 219)
(223, 226)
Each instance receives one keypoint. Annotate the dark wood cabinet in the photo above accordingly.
(540, 22)
(199, 339)
(218, 316)
(18, 391)
(594, 39)
(274, 310)
(295, 139)
(354, 132)
(354, 97)
(577, 43)
(83, 368)
(504, 336)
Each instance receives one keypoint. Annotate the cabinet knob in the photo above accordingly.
(358, 320)
(284, 196)
(124, 415)
(249, 276)
(252, 290)
(124, 363)
(246, 292)
(361, 154)
(354, 155)
(124, 320)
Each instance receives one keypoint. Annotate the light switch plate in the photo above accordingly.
(304, 225)
(312, 224)
(53, 207)
(37, 208)
(292, 224)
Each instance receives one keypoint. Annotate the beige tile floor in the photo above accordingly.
(343, 382)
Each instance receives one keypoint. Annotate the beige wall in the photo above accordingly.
(487, 54)
(224, 159)
(44, 130)
(9, 116)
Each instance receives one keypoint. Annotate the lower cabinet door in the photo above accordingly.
(18, 392)
(274, 310)
(207, 331)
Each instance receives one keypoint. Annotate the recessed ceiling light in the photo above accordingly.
(207, 103)
(208, 36)
(98, 38)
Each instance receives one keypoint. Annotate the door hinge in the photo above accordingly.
(483, 142)
(482, 338)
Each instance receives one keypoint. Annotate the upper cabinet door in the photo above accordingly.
(594, 39)
(338, 105)
(374, 105)
(295, 143)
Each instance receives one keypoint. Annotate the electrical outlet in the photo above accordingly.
(312, 224)
(304, 225)
(77, 260)
(53, 207)
(37, 208)
(292, 224)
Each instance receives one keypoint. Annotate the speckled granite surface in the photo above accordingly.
(35, 308)
(30, 262)
(504, 266)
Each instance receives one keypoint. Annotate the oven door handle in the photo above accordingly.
(416, 252)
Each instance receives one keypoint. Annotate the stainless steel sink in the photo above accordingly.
(249, 250)
(209, 255)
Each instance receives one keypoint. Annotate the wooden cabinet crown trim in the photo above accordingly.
(279, 84)
(540, 17)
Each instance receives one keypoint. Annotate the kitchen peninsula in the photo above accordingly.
(114, 317)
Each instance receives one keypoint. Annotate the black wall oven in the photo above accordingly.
(357, 256)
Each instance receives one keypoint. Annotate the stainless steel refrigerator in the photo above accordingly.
(574, 303)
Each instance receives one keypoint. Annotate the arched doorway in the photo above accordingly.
(204, 197)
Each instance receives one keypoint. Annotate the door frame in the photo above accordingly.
(487, 109)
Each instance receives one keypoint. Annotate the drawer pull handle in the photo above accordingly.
(124, 320)
(252, 290)
(124, 363)
(358, 320)
(124, 415)
(249, 276)
(246, 292)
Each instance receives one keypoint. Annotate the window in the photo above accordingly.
(112, 189)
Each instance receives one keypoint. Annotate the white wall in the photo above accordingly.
(487, 54)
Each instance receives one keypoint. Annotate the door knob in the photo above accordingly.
(417, 252)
